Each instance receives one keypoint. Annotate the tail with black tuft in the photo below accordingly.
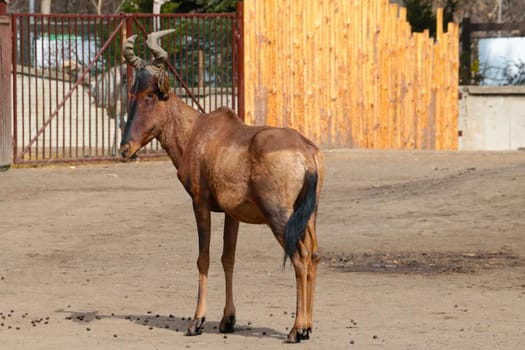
(303, 210)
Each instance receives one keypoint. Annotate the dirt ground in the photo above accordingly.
(421, 250)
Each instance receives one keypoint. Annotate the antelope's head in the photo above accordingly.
(147, 110)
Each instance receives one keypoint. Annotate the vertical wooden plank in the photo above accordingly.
(453, 55)
(395, 88)
(299, 119)
(324, 70)
(448, 125)
(249, 60)
(292, 27)
(309, 69)
(426, 77)
(419, 38)
(363, 81)
(374, 103)
(279, 88)
(373, 82)
(439, 23)
(438, 64)
(369, 86)
(439, 121)
(267, 109)
(343, 66)
(290, 68)
(401, 29)
(331, 23)
(360, 86)
(354, 94)
(409, 107)
(384, 83)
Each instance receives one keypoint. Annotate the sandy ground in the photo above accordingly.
(422, 250)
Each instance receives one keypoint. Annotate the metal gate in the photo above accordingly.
(70, 82)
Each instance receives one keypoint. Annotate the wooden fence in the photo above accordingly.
(349, 73)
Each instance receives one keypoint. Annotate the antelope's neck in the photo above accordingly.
(175, 135)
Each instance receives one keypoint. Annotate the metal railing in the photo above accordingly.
(70, 82)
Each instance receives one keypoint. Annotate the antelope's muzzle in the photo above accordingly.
(126, 151)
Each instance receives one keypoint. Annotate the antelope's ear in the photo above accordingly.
(163, 83)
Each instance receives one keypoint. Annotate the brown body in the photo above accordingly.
(258, 175)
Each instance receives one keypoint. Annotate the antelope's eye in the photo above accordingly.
(149, 99)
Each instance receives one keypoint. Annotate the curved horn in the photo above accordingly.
(129, 55)
(158, 52)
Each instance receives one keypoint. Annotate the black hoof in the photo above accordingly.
(305, 335)
(195, 327)
(227, 324)
(296, 335)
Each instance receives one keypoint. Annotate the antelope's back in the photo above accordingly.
(220, 137)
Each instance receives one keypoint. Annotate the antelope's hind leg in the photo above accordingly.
(311, 243)
(300, 328)
(231, 228)
(300, 264)
(277, 222)
(305, 263)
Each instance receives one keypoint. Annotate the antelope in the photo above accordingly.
(253, 174)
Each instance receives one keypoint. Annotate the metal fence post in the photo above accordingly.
(6, 137)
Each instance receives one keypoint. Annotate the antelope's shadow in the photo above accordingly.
(171, 322)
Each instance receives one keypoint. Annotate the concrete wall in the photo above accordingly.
(491, 118)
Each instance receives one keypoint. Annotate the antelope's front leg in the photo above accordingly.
(203, 218)
(231, 228)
